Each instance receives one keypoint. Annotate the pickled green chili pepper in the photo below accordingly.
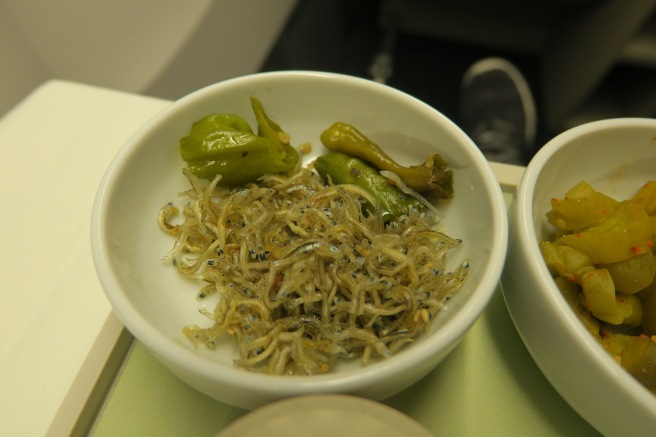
(432, 178)
(225, 144)
(344, 169)
(266, 127)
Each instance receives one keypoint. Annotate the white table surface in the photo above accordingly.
(57, 329)
(55, 146)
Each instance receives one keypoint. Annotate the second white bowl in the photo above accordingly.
(616, 157)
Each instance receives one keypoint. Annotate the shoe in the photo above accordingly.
(497, 110)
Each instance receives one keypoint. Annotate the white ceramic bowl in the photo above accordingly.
(154, 302)
(616, 157)
(332, 414)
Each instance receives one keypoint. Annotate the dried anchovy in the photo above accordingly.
(304, 275)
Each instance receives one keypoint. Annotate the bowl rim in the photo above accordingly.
(567, 320)
(349, 379)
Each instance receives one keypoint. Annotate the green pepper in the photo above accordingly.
(344, 169)
(225, 144)
(266, 127)
(432, 178)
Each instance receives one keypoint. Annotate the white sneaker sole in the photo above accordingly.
(524, 91)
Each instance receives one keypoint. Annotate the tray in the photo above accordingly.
(488, 385)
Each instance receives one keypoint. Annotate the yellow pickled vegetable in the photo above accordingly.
(648, 297)
(572, 294)
(646, 196)
(643, 368)
(604, 265)
(635, 353)
(633, 274)
(630, 308)
(652, 221)
(626, 231)
(599, 293)
(564, 260)
(581, 208)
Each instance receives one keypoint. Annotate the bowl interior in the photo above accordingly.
(617, 158)
(155, 302)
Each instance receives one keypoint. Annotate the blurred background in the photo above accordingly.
(584, 59)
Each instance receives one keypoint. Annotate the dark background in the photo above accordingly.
(344, 36)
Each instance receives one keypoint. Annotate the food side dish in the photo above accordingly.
(603, 262)
(310, 268)
(225, 144)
